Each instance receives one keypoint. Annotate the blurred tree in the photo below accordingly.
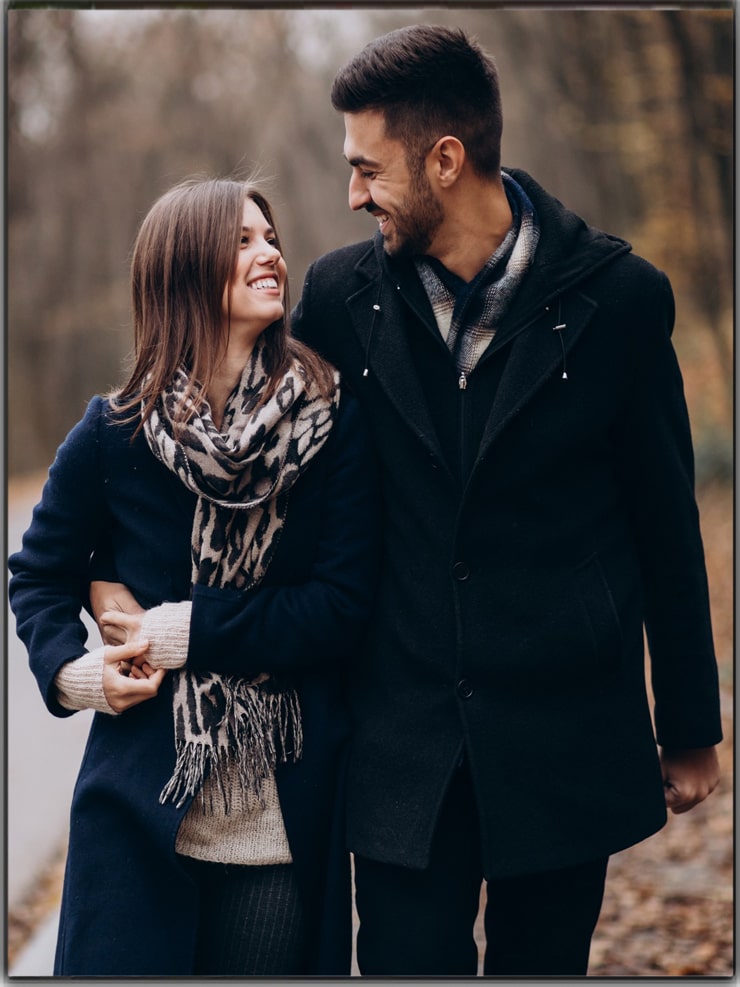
(105, 111)
(624, 114)
(644, 101)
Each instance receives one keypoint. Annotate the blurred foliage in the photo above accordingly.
(624, 114)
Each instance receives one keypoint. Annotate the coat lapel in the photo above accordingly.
(536, 356)
(384, 341)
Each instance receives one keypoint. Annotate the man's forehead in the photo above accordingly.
(365, 137)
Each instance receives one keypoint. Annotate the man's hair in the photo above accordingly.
(429, 81)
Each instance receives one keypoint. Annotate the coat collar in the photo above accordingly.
(569, 251)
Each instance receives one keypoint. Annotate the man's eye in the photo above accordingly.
(368, 174)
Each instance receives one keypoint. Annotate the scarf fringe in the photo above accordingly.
(261, 729)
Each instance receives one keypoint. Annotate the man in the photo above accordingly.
(536, 464)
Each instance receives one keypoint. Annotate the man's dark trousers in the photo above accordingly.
(420, 922)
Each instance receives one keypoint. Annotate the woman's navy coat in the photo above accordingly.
(129, 908)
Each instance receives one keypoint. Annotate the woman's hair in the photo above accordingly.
(184, 256)
(429, 81)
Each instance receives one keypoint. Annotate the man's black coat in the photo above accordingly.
(533, 522)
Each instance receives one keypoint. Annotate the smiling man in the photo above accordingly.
(516, 367)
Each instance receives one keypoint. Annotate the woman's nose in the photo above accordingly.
(270, 250)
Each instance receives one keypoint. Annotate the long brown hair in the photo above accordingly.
(184, 256)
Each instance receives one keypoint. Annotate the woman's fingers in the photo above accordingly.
(125, 652)
(124, 684)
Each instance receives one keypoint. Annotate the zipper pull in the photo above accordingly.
(462, 381)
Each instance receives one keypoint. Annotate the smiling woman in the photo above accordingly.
(254, 298)
(225, 496)
(198, 251)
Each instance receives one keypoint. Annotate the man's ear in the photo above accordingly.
(445, 160)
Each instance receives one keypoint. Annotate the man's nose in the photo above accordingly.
(358, 193)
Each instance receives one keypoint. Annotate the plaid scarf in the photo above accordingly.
(468, 314)
(242, 475)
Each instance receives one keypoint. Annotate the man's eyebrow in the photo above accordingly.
(359, 159)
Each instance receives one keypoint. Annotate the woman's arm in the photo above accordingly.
(283, 628)
(49, 574)
(49, 583)
(273, 628)
(102, 680)
(166, 628)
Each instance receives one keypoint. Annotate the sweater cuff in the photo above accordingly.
(167, 628)
(80, 683)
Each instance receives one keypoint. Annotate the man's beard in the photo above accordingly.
(415, 222)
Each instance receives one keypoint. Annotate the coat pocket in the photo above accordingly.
(601, 613)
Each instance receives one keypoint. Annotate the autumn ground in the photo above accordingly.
(668, 908)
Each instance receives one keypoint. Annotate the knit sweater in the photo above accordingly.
(251, 833)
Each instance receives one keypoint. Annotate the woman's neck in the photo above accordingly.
(225, 378)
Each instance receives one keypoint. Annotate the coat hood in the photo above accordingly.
(569, 249)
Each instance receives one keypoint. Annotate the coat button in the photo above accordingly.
(464, 689)
(460, 571)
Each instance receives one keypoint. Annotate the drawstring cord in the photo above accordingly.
(559, 330)
(376, 310)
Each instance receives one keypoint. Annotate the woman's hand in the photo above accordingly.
(124, 689)
(117, 627)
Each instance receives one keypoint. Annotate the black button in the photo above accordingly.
(464, 689)
(460, 571)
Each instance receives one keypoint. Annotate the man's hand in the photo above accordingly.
(688, 777)
(111, 596)
(122, 688)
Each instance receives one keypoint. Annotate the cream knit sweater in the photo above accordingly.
(249, 833)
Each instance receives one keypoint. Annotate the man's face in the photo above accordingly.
(407, 211)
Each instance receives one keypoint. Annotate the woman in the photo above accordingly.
(230, 488)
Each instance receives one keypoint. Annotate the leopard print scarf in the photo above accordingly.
(242, 475)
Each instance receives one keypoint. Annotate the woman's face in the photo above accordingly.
(258, 287)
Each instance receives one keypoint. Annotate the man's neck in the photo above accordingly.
(476, 222)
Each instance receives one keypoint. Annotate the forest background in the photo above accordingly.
(625, 114)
